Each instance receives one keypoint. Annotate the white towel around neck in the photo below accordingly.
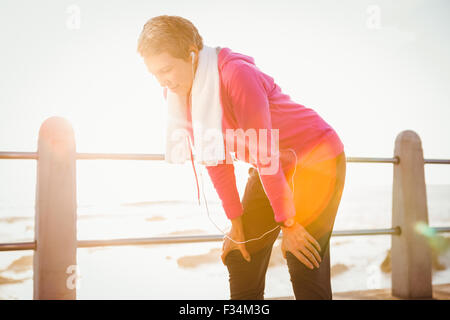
(206, 117)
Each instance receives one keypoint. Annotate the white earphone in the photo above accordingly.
(193, 59)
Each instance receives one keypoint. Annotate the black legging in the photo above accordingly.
(247, 279)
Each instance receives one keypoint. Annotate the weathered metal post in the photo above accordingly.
(411, 254)
(56, 213)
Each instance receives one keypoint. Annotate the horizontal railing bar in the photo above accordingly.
(437, 161)
(18, 246)
(200, 238)
(193, 239)
(19, 155)
(138, 156)
(441, 229)
(183, 239)
(153, 240)
(373, 160)
(118, 156)
(209, 238)
(367, 232)
(112, 156)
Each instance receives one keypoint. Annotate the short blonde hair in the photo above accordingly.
(171, 34)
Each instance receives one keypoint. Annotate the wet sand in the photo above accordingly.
(18, 266)
(21, 264)
(191, 232)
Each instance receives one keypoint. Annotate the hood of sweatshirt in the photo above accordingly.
(226, 55)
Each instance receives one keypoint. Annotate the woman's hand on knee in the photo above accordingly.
(302, 245)
(237, 235)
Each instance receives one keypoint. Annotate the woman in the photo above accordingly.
(298, 186)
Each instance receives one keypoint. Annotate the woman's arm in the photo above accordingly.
(249, 96)
(224, 181)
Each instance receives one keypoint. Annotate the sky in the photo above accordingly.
(371, 69)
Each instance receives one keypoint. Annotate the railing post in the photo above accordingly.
(411, 254)
(55, 212)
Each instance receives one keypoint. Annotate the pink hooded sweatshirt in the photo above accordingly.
(251, 99)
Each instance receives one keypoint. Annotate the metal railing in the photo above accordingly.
(407, 211)
(158, 156)
(19, 246)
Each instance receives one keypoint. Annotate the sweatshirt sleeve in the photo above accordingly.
(224, 181)
(249, 97)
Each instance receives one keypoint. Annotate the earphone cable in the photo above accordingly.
(221, 231)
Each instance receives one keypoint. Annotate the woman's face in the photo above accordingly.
(173, 73)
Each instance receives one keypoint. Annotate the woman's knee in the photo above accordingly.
(253, 294)
(247, 279)
(310, 284)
